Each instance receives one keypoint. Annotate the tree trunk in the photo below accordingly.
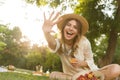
(107, 59)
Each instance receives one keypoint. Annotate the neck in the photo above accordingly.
(69, 44)
(68, 47)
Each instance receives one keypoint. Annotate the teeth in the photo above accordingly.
(69, 33)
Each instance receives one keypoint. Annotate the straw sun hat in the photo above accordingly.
(82, 20)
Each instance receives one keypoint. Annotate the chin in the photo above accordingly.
(69, 39)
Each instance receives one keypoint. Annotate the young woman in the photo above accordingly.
(73, 48)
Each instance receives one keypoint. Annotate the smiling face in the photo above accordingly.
(70, 30)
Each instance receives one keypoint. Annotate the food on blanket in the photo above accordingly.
(11, 67)
(73, 60)
(90, 75)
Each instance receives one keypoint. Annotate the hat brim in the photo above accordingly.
(82, 20)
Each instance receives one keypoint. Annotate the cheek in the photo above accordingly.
(76, 31)
(64, 31)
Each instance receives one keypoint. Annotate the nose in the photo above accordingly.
(70, 27)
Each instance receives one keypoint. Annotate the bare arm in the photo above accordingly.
(47, 29)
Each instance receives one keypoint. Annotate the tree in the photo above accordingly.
(102, 24)
(61, 5)
(10, 43)
(2, 44)
(104, 29)
(113, 36)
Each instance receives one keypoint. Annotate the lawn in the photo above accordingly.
(20, 76)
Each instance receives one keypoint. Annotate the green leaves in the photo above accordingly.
(2, 45)
(41, 2)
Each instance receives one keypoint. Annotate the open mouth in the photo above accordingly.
(69, 33)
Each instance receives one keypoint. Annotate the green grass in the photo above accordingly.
(20, 76)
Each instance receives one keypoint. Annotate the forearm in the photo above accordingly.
(84, 64)
(47, 29)
(80, 63)
(49, 38)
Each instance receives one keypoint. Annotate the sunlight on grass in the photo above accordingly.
(20, 76)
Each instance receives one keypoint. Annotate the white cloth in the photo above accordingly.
(3, 69)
